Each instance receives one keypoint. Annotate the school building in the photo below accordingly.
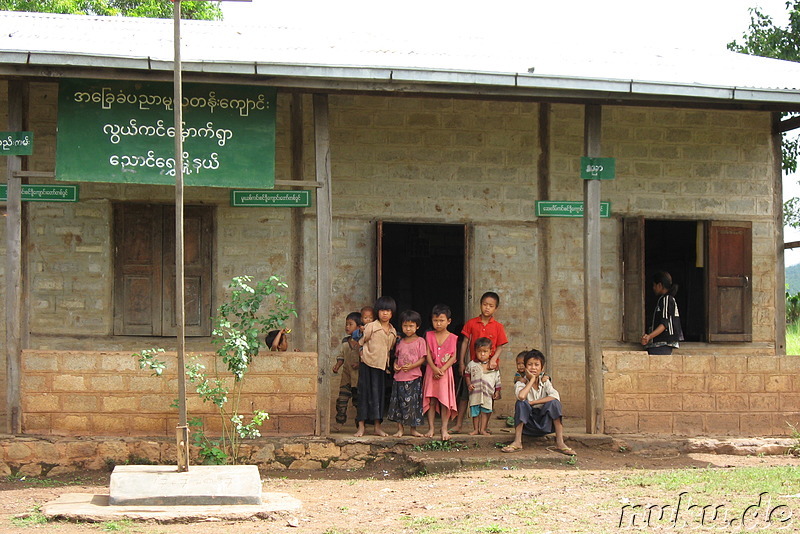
(432, 175)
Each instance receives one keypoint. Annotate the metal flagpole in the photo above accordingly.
(182, 430)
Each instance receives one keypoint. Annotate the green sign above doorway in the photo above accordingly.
(567, 208)
(44, 193)
(270, 199)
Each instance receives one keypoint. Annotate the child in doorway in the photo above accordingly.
(484, 325)
(376, 343)
(438, 387)
(405, 405)
(483, 385)
(347, 360)
(538, 408)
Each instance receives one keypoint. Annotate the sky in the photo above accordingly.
(693, 24)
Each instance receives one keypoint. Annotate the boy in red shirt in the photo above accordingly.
(484, 325)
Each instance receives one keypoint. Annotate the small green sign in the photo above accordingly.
(598, 168)
(567, 208)
(270, 199)
(44, 193)
(16, 143)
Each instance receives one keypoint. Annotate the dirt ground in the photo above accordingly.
(535, 490)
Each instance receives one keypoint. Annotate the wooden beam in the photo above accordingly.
(790, 244)
(544, 226)
(777, 222)
(786, 125)
(591, 278)
(14, 270)
(297, 242)
(322, 148)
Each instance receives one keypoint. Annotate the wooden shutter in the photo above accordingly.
(634, 319)
(197, 236)
(730, 271)
(137, 269)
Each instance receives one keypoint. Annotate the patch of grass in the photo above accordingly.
(122, 525)
(748, 480)
(493, 529)
(793, 339)
(34, 518)
(438, 445)
(44, 482)
(795, 448)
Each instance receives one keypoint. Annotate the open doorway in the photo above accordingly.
(677, 247)
(421, 265)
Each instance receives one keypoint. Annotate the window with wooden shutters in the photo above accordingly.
(711, 261)
(144, 269)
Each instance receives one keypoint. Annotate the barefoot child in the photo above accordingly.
(484, 325)
(483, 385)
(405, 405)
(538, 408)
(376, 343)
(347, 360)
(438, 387)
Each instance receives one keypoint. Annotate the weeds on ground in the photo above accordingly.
(794, 449)
(438, 445)
(44, 482)
(122, 525)
(132, 460)
(33, 518)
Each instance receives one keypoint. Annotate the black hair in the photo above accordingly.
(386, 303)
(355, 317)
(410, 316)
(521, 355)
(483, 342)
(270, 339)
(368, 308)
(442, 309)
(491, 294)
(664, 278)
(534, 354)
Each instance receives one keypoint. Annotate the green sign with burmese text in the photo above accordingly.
(123, 132)
(270, 199)
(16, 143)
(598, 168)
(567, 208)
(44, 193)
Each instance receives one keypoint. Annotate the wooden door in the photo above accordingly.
(137, 269)
(730, 272)
(197, 235)
(634, 320)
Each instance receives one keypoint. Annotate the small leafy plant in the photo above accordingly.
(239, 327)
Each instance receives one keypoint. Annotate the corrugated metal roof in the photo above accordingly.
(516, 65)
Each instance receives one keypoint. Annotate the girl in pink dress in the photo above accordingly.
(439, 394)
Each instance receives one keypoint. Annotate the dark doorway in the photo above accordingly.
(674, 246)
(422, 265)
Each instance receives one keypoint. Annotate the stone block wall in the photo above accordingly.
(700, 394)
(87, 393)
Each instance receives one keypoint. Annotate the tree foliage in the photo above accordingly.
(157, 9)
(763, 38)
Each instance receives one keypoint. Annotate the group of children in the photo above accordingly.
(424, 382)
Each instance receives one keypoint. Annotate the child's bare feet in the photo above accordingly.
(428, 434)
(445, 435)
(398, 434)
(359, 431)
(456, 430)
(485, 433)
(416, 434)
(475, 433)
